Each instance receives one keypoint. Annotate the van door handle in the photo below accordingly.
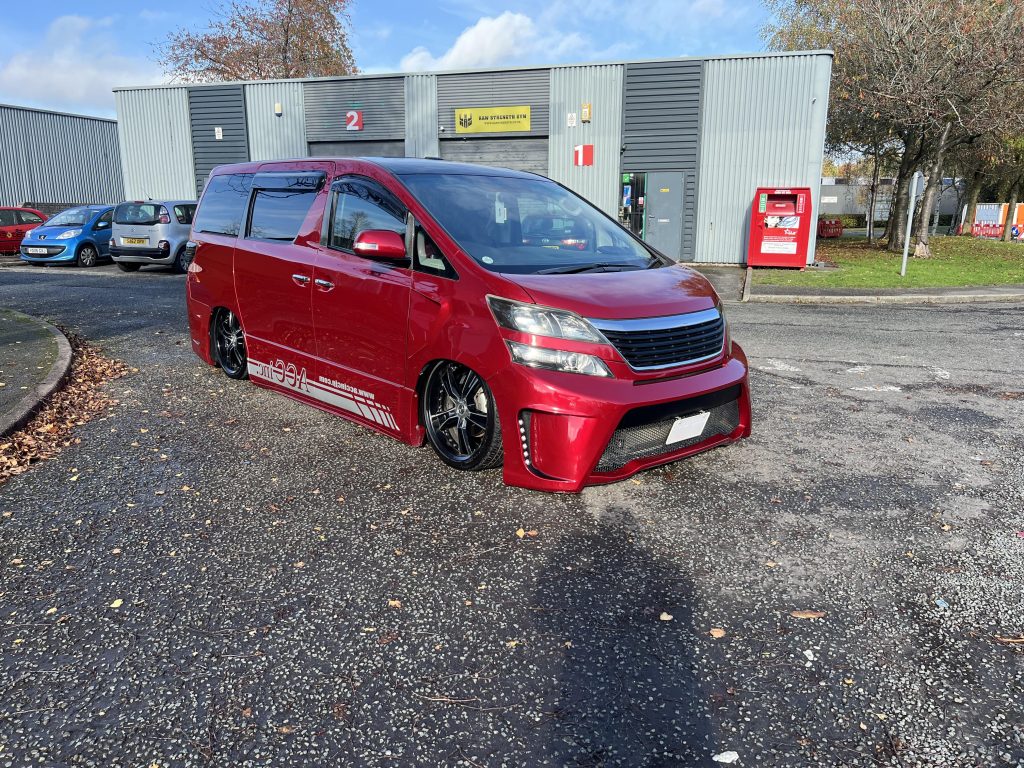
(302, 280)
(324, 285)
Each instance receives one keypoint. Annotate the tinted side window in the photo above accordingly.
(428, 257)
(184, 213)
(362, 205)
(27, 217)
(277, 214)
(7, 219)
(223, 204)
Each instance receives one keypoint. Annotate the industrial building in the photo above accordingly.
(673, 148)
(53, 160)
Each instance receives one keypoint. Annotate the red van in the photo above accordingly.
(493, 313)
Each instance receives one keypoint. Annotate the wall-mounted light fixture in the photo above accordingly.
(277, 109)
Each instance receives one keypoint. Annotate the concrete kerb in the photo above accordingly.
(907, 298)
(22, 411)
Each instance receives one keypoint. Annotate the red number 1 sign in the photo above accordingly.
(354, 120)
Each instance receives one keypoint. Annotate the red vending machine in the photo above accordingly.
(780, 227)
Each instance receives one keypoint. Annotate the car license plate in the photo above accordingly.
(40, 251)
(687, 427)
(134, 240)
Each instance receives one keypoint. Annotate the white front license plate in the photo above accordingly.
(687, 428)
(36, 250)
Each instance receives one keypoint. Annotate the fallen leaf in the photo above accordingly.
(665, 616)
(394, 603)
(531, 534)
(299, 564)
(520, 533)
(717, 632)
(512, 643)
(247, 712)
(117, 603)
(115, 551)
(770, 564)
(51, 611)
(807, 614)
(286, 728)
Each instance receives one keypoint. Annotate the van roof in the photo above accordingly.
(399, 166)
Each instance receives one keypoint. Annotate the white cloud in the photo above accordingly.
(510, 38)
(73, 67)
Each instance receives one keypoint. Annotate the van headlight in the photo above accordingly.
(557, 360)
(542, 321)
(68, 234)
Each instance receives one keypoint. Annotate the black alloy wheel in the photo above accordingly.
(87, 256)
(460, 416)
(229, 345)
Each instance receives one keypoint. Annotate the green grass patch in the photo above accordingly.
(955, 261)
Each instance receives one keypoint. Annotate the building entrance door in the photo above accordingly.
(663, 227)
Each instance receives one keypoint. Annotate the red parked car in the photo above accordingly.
(405, 295)
(15, 223)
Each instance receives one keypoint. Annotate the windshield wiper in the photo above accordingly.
(577, 268)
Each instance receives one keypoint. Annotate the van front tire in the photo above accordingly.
(458, 412)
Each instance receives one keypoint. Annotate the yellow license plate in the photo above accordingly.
(134, 240)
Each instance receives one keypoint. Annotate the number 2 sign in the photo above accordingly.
(354, 120)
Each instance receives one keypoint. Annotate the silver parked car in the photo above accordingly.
(152, 232)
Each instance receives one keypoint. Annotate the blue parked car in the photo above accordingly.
(78, 235)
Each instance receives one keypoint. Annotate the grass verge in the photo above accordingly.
(955, 262)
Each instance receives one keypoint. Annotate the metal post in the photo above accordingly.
(910, 220)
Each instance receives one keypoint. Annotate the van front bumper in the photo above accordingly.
(562, 432)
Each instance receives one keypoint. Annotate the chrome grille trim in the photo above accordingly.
(690, 338)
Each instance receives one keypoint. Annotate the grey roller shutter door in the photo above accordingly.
(357, 149)
(518, 154)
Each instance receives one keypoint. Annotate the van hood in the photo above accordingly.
(671, 290)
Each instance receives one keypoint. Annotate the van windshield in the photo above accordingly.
(137, 213)
(527, 226)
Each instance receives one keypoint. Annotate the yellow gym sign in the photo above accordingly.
(492, 119)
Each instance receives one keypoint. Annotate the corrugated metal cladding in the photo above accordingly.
(661, 128)
(381, 99)
(272, 137)
(601, 87)
(219, 133)
(529, 154)
(495, 89)
(763, 125)
(156, 143)
(49, 157)
(421, 116)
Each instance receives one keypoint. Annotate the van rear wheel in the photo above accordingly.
(460, 416)
(229, 345)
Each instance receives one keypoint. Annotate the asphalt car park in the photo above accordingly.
(240, 579)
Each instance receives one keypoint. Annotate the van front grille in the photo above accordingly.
(663, 342)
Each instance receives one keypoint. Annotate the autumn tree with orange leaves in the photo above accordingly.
(262, 40)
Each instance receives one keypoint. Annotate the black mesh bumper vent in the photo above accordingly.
(642, 441)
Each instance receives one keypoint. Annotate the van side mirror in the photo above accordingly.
(380, 244)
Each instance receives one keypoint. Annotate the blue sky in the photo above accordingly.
(68, 55)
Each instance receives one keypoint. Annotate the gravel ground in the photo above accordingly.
(219, 576)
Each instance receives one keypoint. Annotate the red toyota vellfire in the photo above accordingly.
(493, 313)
